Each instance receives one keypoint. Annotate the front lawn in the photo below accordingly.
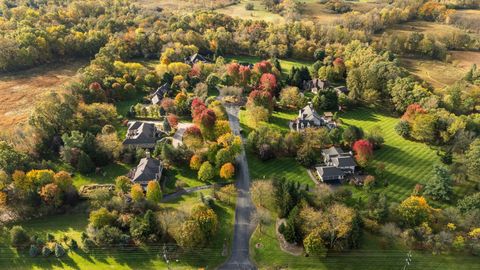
(107, 175)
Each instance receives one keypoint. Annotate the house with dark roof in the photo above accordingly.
(196, 58)
(159, 94)
(315, 85)
(142, 135)
(329, 174)
(148, 169)
(345, 163)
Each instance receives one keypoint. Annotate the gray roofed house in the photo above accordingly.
(159, 94)
(331, 152)
(330, 173)
(196, 58)
(315, 85)
(345, 163)
(141, 134)
(308, 117)
(148, 169)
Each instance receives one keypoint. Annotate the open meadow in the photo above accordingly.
(20, 90)
(438, 73)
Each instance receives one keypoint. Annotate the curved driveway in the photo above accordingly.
(244, 227)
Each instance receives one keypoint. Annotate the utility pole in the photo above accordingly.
(408, 260)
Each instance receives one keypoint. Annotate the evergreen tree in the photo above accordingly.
(440, 186)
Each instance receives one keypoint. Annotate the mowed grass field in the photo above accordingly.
(20, 90)
(406, 162)
(145, 257)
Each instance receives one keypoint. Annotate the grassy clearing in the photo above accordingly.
(286, 64)
(106, 176)
(147, 257)
(370, 255)
(185, 177)
(20, 90)
(258, 13)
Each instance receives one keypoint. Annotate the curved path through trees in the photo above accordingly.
(244, 226)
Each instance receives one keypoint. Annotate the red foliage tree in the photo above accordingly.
(207, 119)
(412, 111)
(233, 70)
(261, 98)
(168, 105)
(197, 108)
(363, 151)
(262, 67)
(172, 120)
(95, 86)
(268, 82)
(193, 131)
(244, 75)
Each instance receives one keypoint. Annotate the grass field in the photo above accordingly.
(20, 90)
(406, 162)
(148, 257)
(286, 64)
(440, 74)
(370, 256)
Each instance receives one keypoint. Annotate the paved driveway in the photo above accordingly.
(244, 227)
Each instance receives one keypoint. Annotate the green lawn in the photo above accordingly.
(286, 64)
(148, 257)
(106, 176)
(370, 255)
(407, 162)
(183, 174)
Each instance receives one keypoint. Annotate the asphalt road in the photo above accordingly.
(244, 227)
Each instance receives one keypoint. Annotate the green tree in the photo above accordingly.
(136, 192)
(206, 172)
(314, 245)
(440, 186)
(123, 184)
(19, 237)
(154, 192)
(472, 158)
(11, 159)
(101, 217)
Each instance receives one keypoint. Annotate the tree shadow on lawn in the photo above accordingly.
(361, 114)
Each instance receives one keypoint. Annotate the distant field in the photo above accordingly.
(440, 74)
(20, 90)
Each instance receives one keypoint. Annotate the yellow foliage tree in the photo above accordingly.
(136, 192)
(227, 171)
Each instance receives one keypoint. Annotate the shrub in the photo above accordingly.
(249, 6)
(403, 129)
(19, 237)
